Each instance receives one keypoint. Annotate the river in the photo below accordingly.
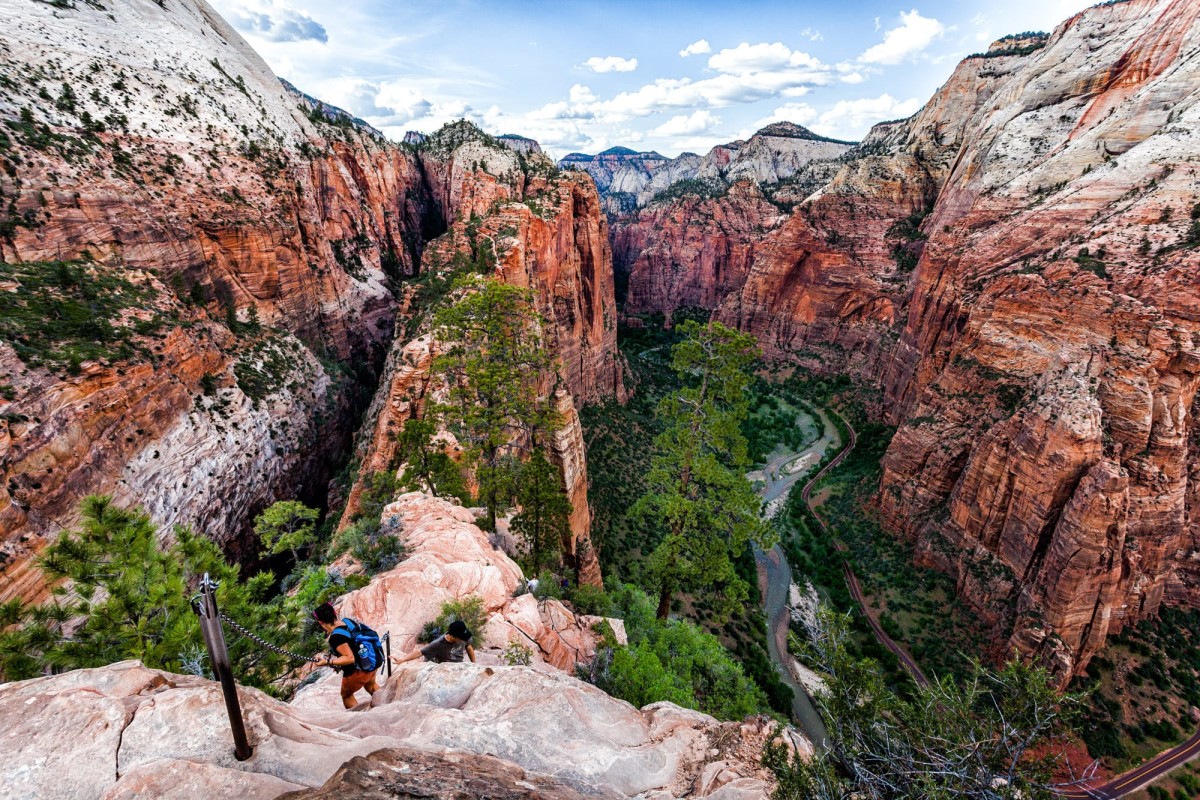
(782, 471)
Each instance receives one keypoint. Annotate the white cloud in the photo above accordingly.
(716, 92)
(386, 104)
(611, 64)
(747, 58)
(748, 73)
(696, 48)
(853, 118)
(274, 21)
(914, 35)
(799, 113)
(688, 124)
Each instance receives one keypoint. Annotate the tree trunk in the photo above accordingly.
(664, 601)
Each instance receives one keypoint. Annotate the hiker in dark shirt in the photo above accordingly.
(341, 647)
(450, 646)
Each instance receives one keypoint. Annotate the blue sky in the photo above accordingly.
(648, 74)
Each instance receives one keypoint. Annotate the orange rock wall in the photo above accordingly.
(1041, 358)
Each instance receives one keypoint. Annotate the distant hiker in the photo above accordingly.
(356, 651)
(564, 584)
(450, 646)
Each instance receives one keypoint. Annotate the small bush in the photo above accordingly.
(591, 600)
(517, 654)
(468, 609)
(376, 549)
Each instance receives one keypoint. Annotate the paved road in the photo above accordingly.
(851, 579)
(1120, 786)
(1139, 777)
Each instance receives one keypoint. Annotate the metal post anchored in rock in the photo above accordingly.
(205, 605)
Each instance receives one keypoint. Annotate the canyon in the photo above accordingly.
(1013, 267)
(264, 248)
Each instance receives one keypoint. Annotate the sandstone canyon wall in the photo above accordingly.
(263, 244)
(1015, 266)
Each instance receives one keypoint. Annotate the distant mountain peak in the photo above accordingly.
(790, 130)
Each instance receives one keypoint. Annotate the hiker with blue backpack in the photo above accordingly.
(356, 651)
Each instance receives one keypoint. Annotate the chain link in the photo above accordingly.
(264, 643)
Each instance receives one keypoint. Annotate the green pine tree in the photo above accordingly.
(289, 526)
(544, 521)
(427, 468)
(698, 494)
(120, 593)
(493, 360)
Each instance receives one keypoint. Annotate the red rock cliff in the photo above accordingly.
(268, 240)
(1015, 265)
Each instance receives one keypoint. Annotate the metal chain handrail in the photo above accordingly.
(264, 643)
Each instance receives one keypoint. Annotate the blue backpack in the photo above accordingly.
(364, 643)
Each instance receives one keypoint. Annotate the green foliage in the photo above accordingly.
(620, 441)
(773, 421)
(366, 541)
(471, 611)
(908, 240)
(675, 661)
(1038, 41)
(978, 739)
(264, 365)
(697, 492)
(591, 600)
(492, 358)
(40, 136)
(545, 517)
(65, 312)
(427, 467)
(1092, 263)
(379, 489)
(286, 526)
(121, 594)
(517, 655)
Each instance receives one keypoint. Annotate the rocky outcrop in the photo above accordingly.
(127, 731)
(413, 775)
(1013, 266)
(1052, 294)
(271, 237)
(261, 236)
(448, 558)
(539, 230)
(694, 251)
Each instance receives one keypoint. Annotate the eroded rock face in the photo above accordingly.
(1052, 293)
(127, 731)
(208, 185)
(1014, 266)
(179, 162)
(449, 558)
(412, 775)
